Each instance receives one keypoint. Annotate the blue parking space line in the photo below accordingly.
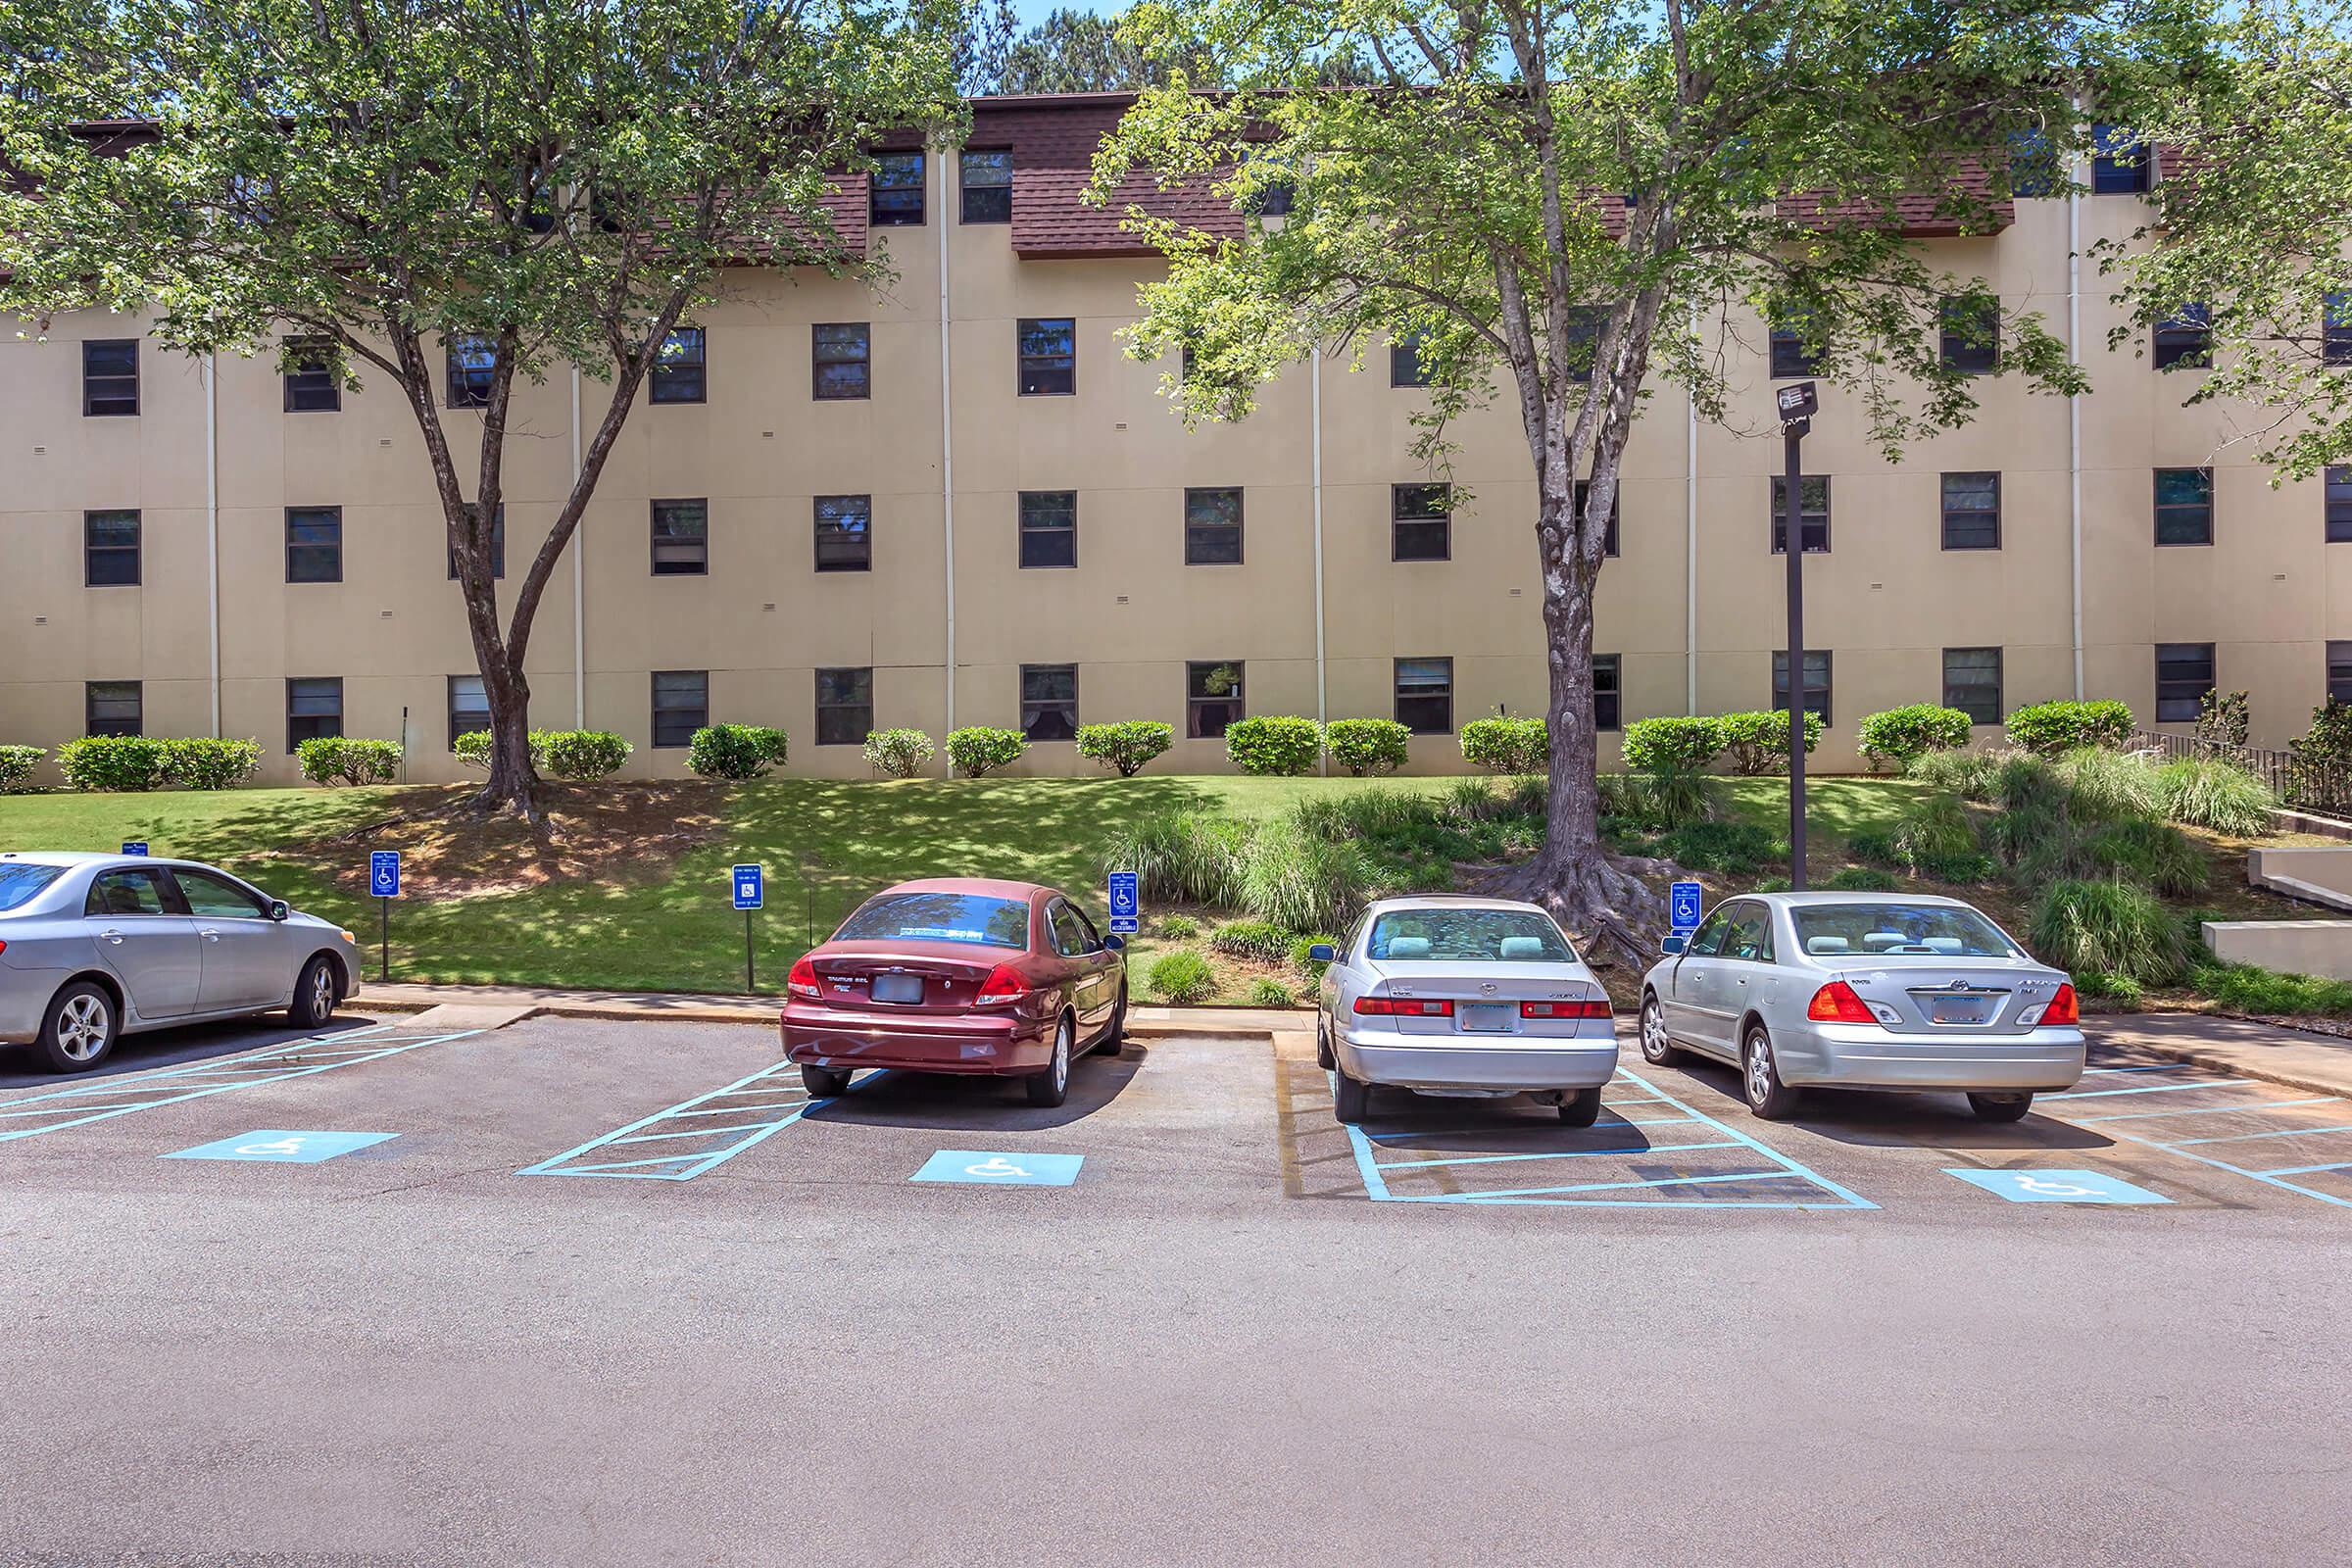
(1607, 1187)
(2304, 1170)
(122, 1082)
(750, 1095)
(2152, 1089)
(1558, 1153)
(2284, 1132)
(2153, 1066)
(1851, 1198)
(2201, 1111)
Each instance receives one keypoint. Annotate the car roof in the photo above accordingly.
(1452, 900)
(985, 886)
(1931, 900)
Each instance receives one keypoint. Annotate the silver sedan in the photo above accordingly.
(95, 947)
(1872, 990)
(1479, 998)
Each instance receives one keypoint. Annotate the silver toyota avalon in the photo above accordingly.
(1463, 997)
(95, 947)
(1864, 991)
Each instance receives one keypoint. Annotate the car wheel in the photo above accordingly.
(314, 996)
(79, 1031)
(1580, 1107)
(1760, 1078)
(1114, 1033)
(1350, 1100)
(1051, 1086)
(2000, 1108)
(825, 1083)
(1323, 1056)
(1657, 1048)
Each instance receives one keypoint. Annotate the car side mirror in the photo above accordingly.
(1322, 953)
(278, 909)
(1669, 946)
(1116, 943)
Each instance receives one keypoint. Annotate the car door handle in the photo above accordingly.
(211, 935)
(116, 937)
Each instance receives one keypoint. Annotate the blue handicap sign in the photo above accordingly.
(384, 873)
(748, 881)
(2058, 1187)
(1126, 902)
(134, 846)
(998, 1169)
(278, 1147)
(1686, 905)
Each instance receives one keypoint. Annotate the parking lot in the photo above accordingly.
(573, 1291)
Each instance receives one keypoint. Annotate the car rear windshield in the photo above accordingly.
(20, 880)
(1470, 936)
(972, 917)
(1898, 930)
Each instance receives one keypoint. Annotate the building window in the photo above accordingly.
(1049, 701)
(469, 707)
(2335, 329)
(1584, 493)
(2183, 339)
(2184, 675)
(845, 533)
(845, 707)
(110, 708)
(1424, 692)
(1971, 335)
(2337, 501)
(842, 366)
(1048, 528)
(1213, 698)
(1817, 681)
(110, 549)
(109, 375)
(1815, 518)
(2339, 672)
(1048, 350)
(1972, 512)
(1972, 683)
(313, 708)
(1405, 363)
(681, 704)
(2121, 162)
(314, 544)
(987, 181)
(2033, 169)
(895, 197)
(472, 363)
(1580, 342)
(679, 367)
(1420, 522)
(2184, 505)
(498, 545)
(1792, 357)
(311, 386)
(681, 538)
(1212, 527)
(1608, 685)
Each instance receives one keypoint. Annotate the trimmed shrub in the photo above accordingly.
(1860, 879)
(1125, 747)
(586, 756)
(200, 763)
(2321, 756)
(1251, 939)
(1179, 927)
(2156, 855)
(1178, 857)
(1312, 968)
(1274, 745)
(1758, 742)
(1652, 744)
(737, 751)
(1973, 776)
(898, 753)
(2103, 786)
(2224, 718)
(1180, 977)
(1739, 848)
(1367, 746)
(1297, 881)
(978, 750)
(2048, 729)
(2099, 986)
(472, 749)
(16, 763)
(345, 759)
(1267, 992)
(113, 762)
(1507, 745)
(2110, 928)
(2209, 792)
(1902, 735)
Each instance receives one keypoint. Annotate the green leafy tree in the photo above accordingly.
(1565, 202)
(544, 186)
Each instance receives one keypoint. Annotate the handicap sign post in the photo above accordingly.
(1126, 904)
(134, 846)
(1685, 901)
(383, 880)
(749, 883)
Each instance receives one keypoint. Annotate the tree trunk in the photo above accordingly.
(514, 783)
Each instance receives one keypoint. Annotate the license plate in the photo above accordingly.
(1485, 1017)
(1962, 1010)
(898, 988)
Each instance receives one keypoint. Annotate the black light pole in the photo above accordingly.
(1797, 405)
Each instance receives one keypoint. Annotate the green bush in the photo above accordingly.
(2272, 993)
(1179, 927)
(1274, 745)
(346, 760)
(1178, 857)
(1739, 848)
(1267, 992)
(1874, 848)
(16, 763)
(1310, 967)
(1652, 744)
(200, 763)
(2224, 718)
(2029, 783)
(2098, 985)
(977, 749)
(1770, 884)
(2109, 928)
(584, 756)
(1367, 746)
(2156, 855)
(1667, 798)
(1181, 977)
(2209, 792)
(2048, 729)
(1507, 745)
(114, 763)
(1902, 735)
(736, 750)
(1860, 879)
(1758, 742)
(2320, 757)
(1936, 828)
(472, 749)
(1471, 799)
(1297, 881)
(898, 753)
(1960, 869)
(1971, 775)
(2104, 786)
(1125, 747)
(1251, 939)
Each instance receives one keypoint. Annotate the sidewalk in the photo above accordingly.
(2320, 1063)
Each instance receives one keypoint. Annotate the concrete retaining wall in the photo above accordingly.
(2294, 947)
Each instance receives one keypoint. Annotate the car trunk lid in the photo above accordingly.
(1491, 999)
(1948, 994)
(904, 976)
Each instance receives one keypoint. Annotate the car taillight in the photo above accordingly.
(1598, 1008)
(1003, 985)
(1403, 1008)
(1835, 1003)
(2063, 1008)
(802, 982)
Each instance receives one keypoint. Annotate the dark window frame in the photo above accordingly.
(312, 387)
(679, 379)
(842, 558)
(1584, 326)
(1424, 695)
(679, 565)
(2340, 658)
(2335, 503)
(1806, 516)
(1420, 525)
(451, 710)
(297, 549)
(1196, 531)
(1610, 542)
(319, 725)
(2335, 329)
(864, 674)
(93, 551)
(1036, 711)
(463, 390)
(1197, 703)
(1958, 519)
(666, 720)
(1790, 358)
(1035, 541)
(2183, 340)
(497, 546)
(818, 362)
(898, 203)
(1405, 368)
(1956, 338)
(103, 389)
(1978, 712)
(1608, 698)
(93, 724)
(2181, 706)
(1827, 688)
(996, 199)
(1044, 375)
(2120, 163)
(2176, 512)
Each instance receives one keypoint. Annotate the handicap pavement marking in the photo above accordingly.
(2140, 1111)
(277, 1145)
(681, 1142)
(988, 1168)
(2058, 1187)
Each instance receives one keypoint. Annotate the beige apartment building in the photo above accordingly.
(955, 501)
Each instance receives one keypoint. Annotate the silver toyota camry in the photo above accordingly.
(95, 947)
(1868, 991)
(1463, 997)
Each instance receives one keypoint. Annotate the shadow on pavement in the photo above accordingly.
(20, 1066)
(961, 1102)
(1883, 1119)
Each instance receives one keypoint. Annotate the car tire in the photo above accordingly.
(314, 994)
(1760, 1078)
(1350, 1102)
(2000, 1108)
(1657, 1047)
(80, 1029)
(1048, 1089)
(1323, 1056)
(1580, 1107)
(825, 1083)
(1114, 1033)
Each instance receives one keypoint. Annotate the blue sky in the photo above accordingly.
(1033, 12)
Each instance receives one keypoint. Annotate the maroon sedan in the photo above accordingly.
(958, 974)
